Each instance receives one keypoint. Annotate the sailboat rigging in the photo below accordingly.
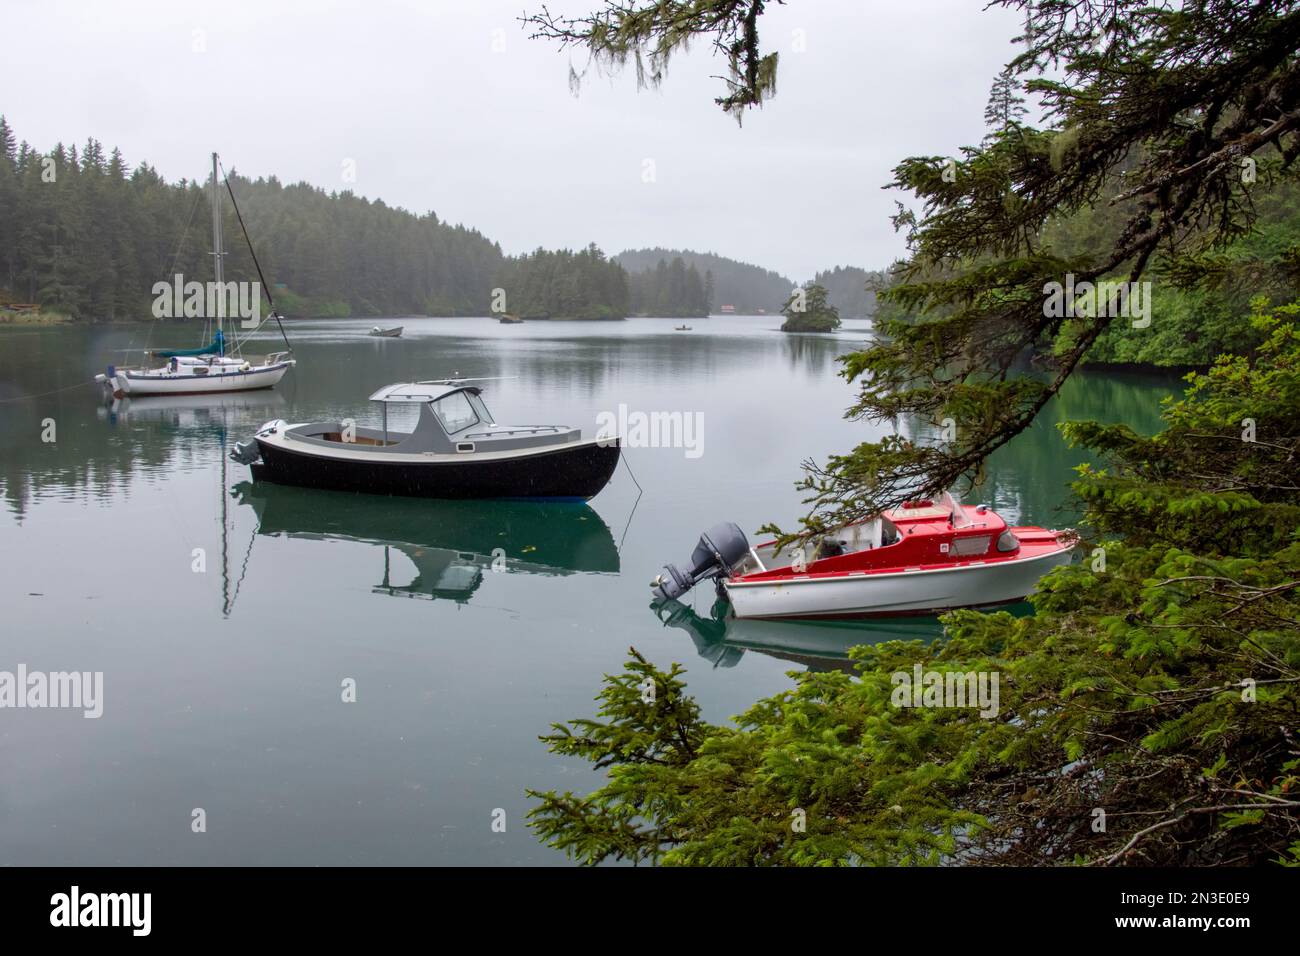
(214, 367)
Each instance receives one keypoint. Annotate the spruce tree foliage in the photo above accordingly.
(808, 310)
(1191, 95)
(1195, 322)
(1006, 107)
(1147, 711)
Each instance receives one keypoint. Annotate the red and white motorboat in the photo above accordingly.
(925, 557)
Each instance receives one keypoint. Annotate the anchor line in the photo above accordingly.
(639, 493)
(67, 388)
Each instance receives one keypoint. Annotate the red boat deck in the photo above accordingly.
(927, 540)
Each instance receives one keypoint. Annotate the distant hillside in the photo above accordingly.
(846, 290)
(748, 288)
(669, 290)
(83, 234)
(89, 239)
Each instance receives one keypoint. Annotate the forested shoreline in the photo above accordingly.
(85, 235)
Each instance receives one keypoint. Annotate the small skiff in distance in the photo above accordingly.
(457, 450)
(509, 319)
(923, 558)
(681, 328)
(393, 333)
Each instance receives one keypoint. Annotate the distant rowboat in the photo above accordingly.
(393, 333)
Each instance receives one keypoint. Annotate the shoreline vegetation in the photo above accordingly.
(32, 314)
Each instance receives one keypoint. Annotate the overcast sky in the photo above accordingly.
(445, 105)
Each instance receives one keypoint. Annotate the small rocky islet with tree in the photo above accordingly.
(809, 310)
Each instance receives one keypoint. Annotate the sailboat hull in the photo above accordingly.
(127, 382)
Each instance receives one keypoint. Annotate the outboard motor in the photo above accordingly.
(719, 550)
(245, 452)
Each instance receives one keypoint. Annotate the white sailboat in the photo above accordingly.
(210, 368)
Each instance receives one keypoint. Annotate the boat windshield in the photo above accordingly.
(455, 412)
(952, 504)
(480, 408)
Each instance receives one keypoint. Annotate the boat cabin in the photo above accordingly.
(916, 536)
(453, 420)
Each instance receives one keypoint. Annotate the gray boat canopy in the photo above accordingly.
(413, 393)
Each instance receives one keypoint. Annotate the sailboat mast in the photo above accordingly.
(218, 267)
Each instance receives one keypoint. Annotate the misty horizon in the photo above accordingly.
(458, 113)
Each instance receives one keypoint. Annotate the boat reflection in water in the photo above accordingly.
(818, 645)
(452, 545)
(192, 411)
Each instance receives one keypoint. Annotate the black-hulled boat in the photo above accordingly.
(456, 451)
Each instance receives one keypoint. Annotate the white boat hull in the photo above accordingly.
(894, 593)
(127, 382)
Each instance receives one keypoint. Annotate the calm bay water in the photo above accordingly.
(223, 686)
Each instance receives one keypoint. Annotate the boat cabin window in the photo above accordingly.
(968, 547)
(480, 408)
(455, 412)
(888, 532)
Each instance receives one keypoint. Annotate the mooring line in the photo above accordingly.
(27, 398)
(639, 493)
